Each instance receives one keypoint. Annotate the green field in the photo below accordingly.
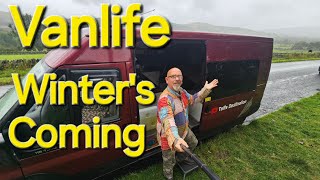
(5, 75)
(21, 56)
(282, 145)
(293, 60)
(285, 53)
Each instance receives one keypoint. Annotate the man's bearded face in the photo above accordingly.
(174, 79)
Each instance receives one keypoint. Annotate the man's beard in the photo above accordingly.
(176, 87)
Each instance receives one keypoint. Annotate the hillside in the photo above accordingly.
(205, 27)
(5, 21)
(308, 33)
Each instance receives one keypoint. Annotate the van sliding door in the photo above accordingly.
(237, 70)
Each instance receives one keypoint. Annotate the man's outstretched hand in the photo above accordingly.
(212, 84)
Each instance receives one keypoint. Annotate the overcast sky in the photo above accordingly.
(253, 14)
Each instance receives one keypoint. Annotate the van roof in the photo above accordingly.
(179, 34)
(71, 56)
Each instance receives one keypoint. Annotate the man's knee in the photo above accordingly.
(193, 144)
(191, 140)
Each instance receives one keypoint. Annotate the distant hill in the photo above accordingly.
(308, 34)
(205, 27)
(311, 33)
(5, 20)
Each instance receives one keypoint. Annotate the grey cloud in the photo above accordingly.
(88, 1)
(245, 13)
(204, 5)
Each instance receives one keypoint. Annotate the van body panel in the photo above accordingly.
(243, 50)
(64, 56)
(132, 91)
(101, 55)
(220, 112)
(195, 52)
(238, 50)
(215, 36)
(9, 167)
(82, 160)
(217, 113)
(86, 55)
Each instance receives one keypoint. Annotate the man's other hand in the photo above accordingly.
(212, 84)
(178, 143)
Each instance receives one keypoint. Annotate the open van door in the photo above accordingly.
(153, 64)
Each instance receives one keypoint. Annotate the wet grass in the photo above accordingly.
(21, 56)
(282, 145)
(293, 60)
(293, 56)
(5, 75)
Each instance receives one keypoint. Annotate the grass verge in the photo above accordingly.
(21, 56)
(293, 60)
(5, 75)
(290, 56)
(282, 145)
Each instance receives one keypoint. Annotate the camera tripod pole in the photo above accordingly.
(203, 166)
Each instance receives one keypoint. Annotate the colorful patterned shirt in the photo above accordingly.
(172, 115)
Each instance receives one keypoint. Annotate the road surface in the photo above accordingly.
(288, 82)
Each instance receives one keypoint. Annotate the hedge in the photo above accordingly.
(18, 64)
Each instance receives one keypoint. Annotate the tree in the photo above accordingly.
(37, 44)
(300, 46)
(8, 42)
(314, 46)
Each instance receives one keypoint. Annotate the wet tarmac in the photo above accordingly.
(287, 83)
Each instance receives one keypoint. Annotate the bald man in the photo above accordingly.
(172, 119)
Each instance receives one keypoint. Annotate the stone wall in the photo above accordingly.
(18, 64)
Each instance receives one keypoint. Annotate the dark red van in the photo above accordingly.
(241, 63)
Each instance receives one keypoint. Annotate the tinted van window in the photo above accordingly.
(234, 77)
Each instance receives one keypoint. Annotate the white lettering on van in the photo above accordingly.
(232, 105)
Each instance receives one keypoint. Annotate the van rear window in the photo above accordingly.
(234, 77)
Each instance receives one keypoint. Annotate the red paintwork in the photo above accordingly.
(247, 48)
(85, 55)
(211, 121)
(220, 47)
(73, 161)
(11, 173)
(216, 44)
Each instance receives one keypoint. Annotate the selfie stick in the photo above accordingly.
(200, 164)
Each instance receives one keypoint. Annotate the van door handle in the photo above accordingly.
(95, 80)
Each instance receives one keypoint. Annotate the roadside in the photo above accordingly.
(282, 145)
(5, 75)
(293, 60)
(20, 56)
(294, 56)
(287, 83)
